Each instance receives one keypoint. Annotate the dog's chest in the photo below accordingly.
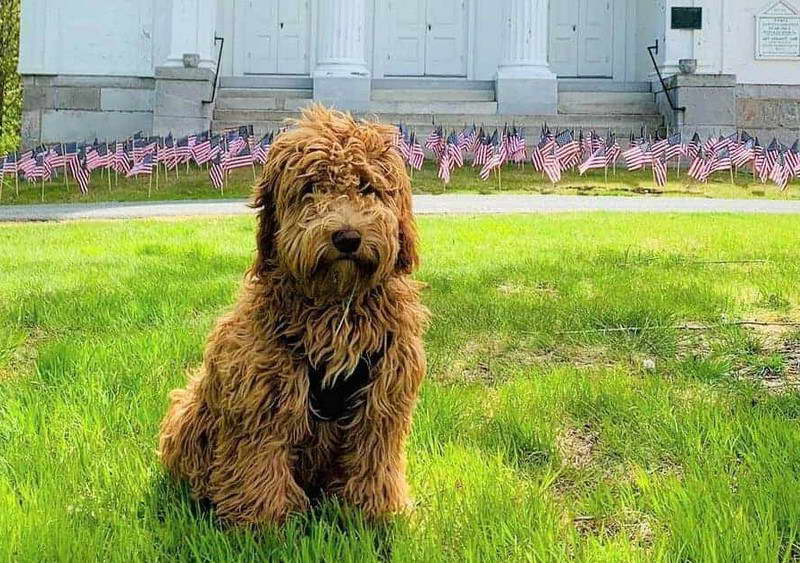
(341, 400)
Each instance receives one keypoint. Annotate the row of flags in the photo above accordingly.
(552, 154)
(555, 153)
(139, 156)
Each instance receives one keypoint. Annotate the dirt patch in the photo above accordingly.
(21, 359)
(638, 527)
(540, 289)
(576, 446)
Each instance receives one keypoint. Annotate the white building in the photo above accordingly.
(107, 68)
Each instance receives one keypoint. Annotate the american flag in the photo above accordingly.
(517, 151)
(721, 160)
(234, 142)
(401, 140)
(166, 154)
(495, 159)
(613, 150)
(78, 167)
(444, 166)
(552, 167)
(598, 159)
(10, 164)
(483, 150)
(144, 166)
(793, 158)
(122, 163)
(201, 148)
(454, 150)
(240, 160)
(99, 157)
(139, 147)
(38, 171)
(55, 156)
(635, 157)
(781, 173)
(770, 159)
(699, 170)
(216, 172)
(183, 152)
(743, 153)
(659, 170)
(435, 141)
(262, 149)
(693, 147)
(566, 147)
(417, 155)
(675, 147)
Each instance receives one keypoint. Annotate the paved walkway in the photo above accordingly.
(423, 204)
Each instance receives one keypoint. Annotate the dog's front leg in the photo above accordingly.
(253, 484)
(373, 463)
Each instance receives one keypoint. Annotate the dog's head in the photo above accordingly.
(335, 206)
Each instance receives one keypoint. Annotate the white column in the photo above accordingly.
(525, 37)
(342, 38)
(192, 32)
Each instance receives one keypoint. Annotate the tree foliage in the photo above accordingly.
(10, 85)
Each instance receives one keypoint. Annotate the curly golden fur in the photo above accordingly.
(244, 432)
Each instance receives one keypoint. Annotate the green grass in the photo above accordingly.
(196, 185)
(538, 436)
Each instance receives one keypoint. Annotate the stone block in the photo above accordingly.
(707, 105)
(72, 125)
(701, 81)
(76, 98)
(126, 99)
(179, 126)
(37, 97)
(350, 93)
(78, 81)
(31, 128)
(169, 105)
(527, 96)
(183, 73)
(768, 113)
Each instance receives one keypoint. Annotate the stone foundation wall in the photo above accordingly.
(769, 111)
(59, 108)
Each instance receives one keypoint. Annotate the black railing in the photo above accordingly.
(221, 41)
(651, 49)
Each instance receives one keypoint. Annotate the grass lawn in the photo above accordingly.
(196, 185)
(539, 435)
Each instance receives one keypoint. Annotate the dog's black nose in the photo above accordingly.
(346, 240)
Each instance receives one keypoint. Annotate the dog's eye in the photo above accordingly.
(308, 189)
(368, 189)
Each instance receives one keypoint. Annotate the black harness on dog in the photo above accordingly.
(338, 402)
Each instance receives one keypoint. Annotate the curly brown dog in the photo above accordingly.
(308, 386)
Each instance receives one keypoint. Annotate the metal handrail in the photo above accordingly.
(216, 73)
(664, 88)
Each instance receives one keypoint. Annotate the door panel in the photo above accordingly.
(446, 38)
(564, 22)
(595, 38)
(292, 51)
(405, 55)
(260, 37)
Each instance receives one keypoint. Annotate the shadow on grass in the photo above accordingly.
(188, 529)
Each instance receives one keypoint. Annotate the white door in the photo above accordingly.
(445, 51)
(276, 36)
(405, 55)
(596, 30)
(292, 37)
(581, 38)
(426, 37)
(564, 37)
(260, 37)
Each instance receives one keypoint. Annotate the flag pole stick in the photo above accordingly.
(157, 178)
(42, 189)
(16, 182)
(150, 186)
(64, 156)
(2, 183)
(605, 170)
(499, 178)
(253, 166)
(108, 175)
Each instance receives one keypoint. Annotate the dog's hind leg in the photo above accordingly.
(186, 437)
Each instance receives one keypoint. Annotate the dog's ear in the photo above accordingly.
(408, 255)
(263, 200)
